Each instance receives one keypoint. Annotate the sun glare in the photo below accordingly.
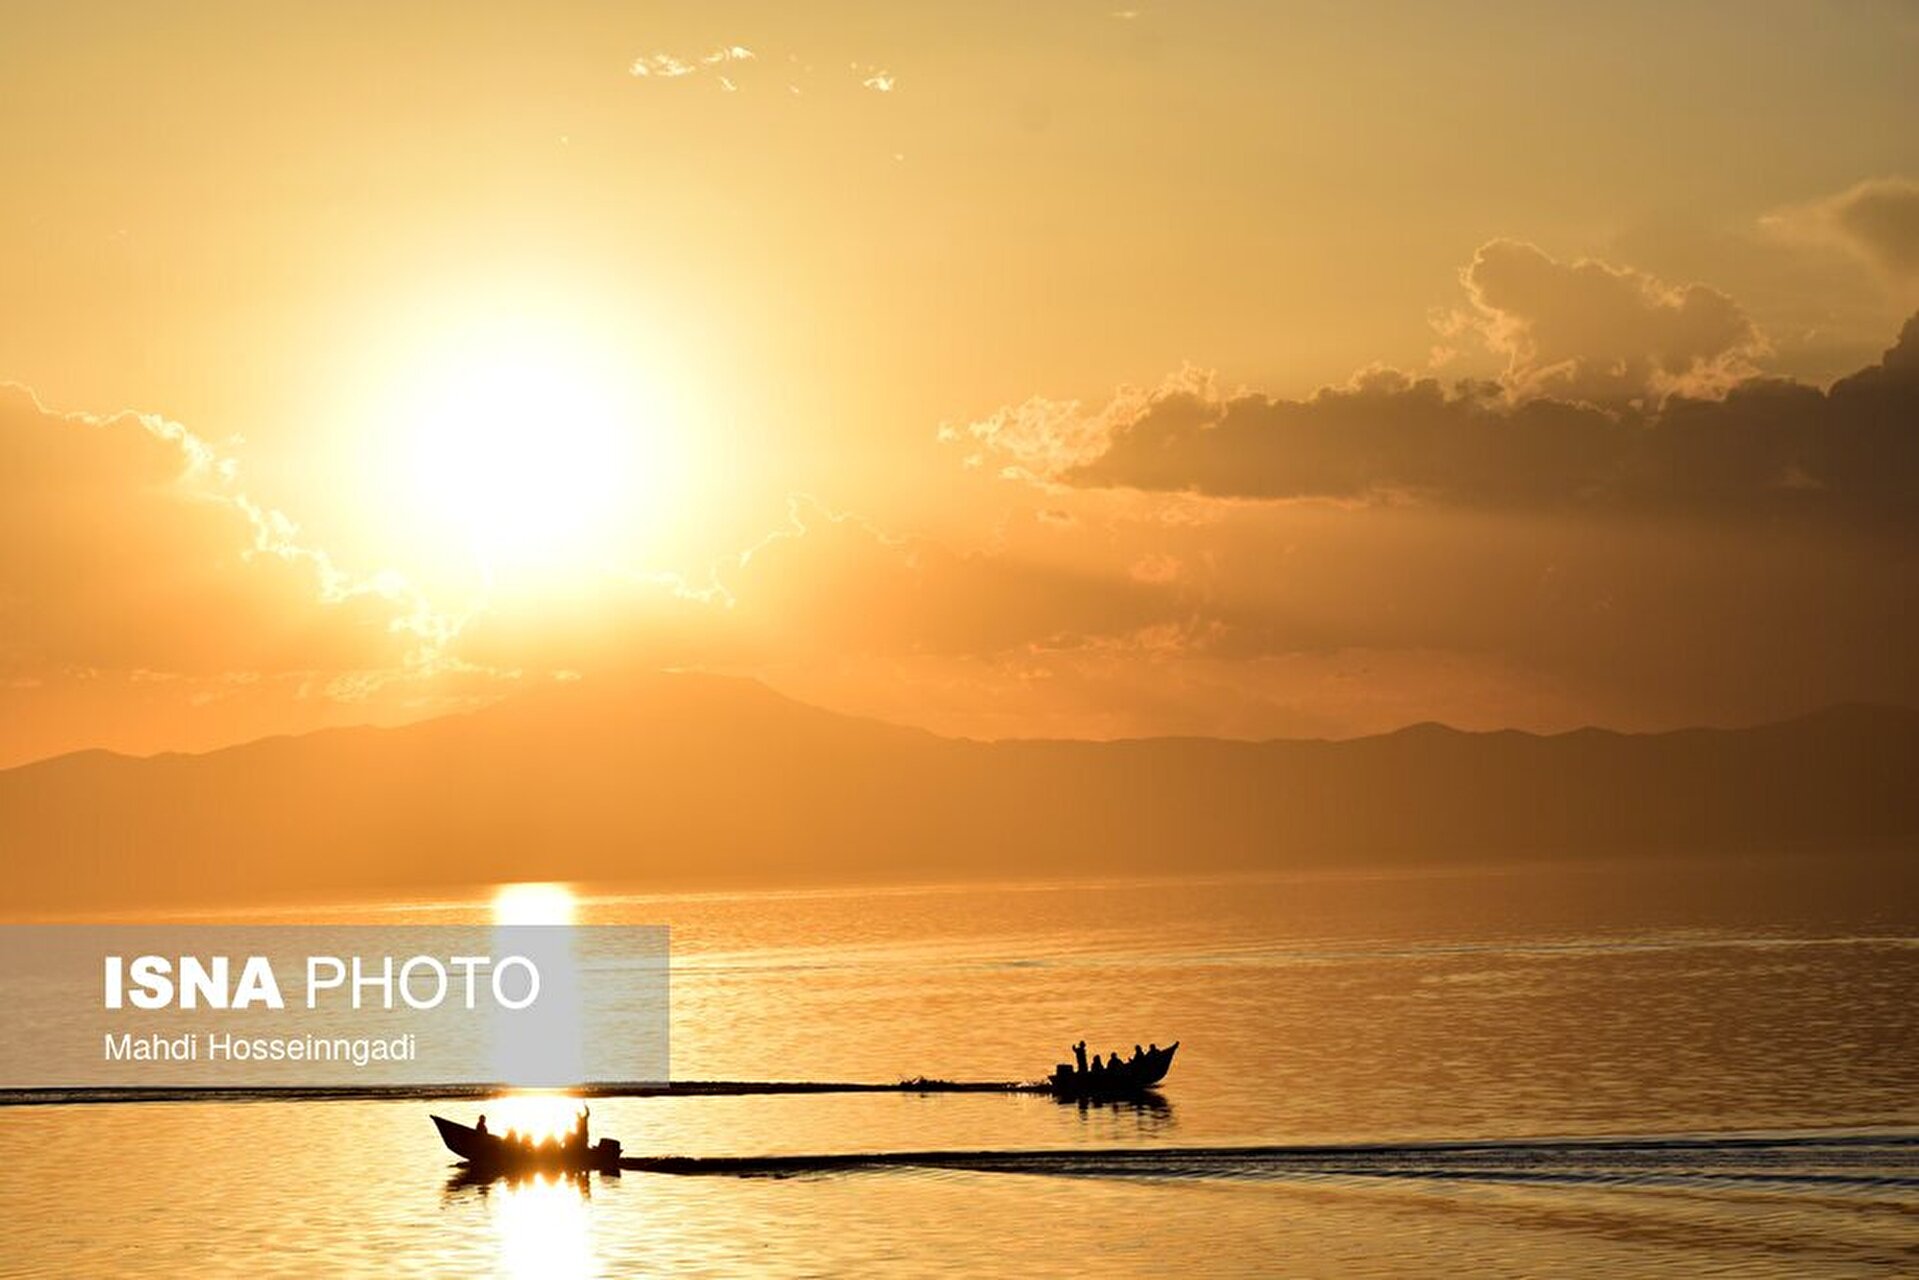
(530, 447)
(533, 904)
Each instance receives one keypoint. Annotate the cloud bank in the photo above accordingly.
(1620, 393)
(132, 546)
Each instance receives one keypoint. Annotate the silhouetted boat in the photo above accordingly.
(1134, 1075)
(492, 1153)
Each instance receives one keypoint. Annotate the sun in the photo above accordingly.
(528, 446)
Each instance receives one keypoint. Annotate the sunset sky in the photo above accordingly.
(1007, 369)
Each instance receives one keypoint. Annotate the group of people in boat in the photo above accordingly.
(522, 1144)
(1097, 1069)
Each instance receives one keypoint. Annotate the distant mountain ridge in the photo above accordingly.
(692, 781)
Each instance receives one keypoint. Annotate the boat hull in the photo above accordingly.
(1126, 1079)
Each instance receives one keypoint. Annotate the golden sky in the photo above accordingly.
(1092, 369)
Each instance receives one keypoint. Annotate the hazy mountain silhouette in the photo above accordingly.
(681, 781)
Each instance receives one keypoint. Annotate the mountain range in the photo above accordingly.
(682, 781)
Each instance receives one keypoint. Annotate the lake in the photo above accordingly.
(1691, 1069)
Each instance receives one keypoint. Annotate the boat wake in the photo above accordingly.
(122, 1095)
(1855, 1162)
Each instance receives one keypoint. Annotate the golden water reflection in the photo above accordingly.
(542, 1225)
(533, 903)
(1494, 1008)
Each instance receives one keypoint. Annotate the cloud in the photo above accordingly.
(1042, 439)
(831, 586)
(667, 66)
(130, 546)
(147, 600)
(1628, 525)
(1877, 220)
(1185, 558)
(1585, 330)
(661, 66)
(1757, 447)
(1383, 436)
(836, 582)
(726, 63)
(1881, 220)
(1287, 618)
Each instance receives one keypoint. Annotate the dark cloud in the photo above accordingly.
(1586, 330)
(1384, 433)
(1767, 446)
(1879, 220)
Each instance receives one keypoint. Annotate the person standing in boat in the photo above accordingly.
(1079, 1056)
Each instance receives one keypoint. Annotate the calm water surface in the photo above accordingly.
(1508, 1010)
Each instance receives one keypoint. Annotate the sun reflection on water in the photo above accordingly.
(542, 1226)
(533, 904)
